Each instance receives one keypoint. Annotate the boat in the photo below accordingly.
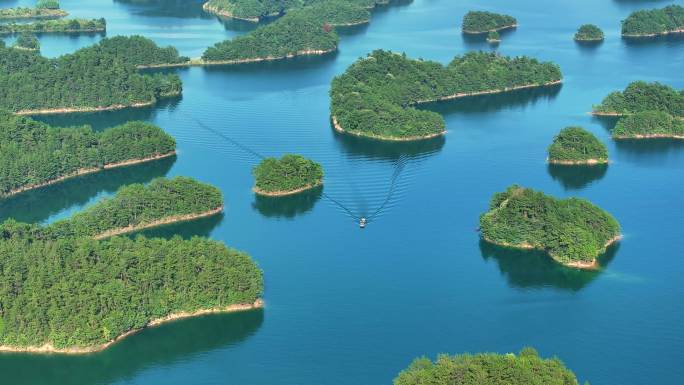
(362, 223)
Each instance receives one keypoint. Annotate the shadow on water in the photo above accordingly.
(287, 206)
(650, 151)
(281, 67)
(479, 40)
(588, 46)
(184, 9)
(670, 40)
(159, 346)
(38, 205)
(384, 150)
(576, 177)
(201, 227)
(526, 269)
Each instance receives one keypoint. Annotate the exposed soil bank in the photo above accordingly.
(285, 193)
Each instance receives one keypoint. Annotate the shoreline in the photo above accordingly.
(200, 63)
(48, 348)
(40, 14)
(589, 40)
(488, 92)
(220, 12)
(649, 136)
(6, 33)
(471, 32)
(669, 32)
(588, 162)
(69, 110)
(86, 171)
(341, 130)
(286, 193)
(160, 222)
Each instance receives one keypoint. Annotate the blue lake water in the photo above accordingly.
(352, 307)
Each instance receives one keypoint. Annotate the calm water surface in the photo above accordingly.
(351, 307)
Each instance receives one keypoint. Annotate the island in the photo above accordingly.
(654, 22)
(137, 207)
(525, 368)
(81, 295)
(589, 32)
(493, 37)
(376, 96)
(648, 125)
(477, 22)
(573, 231)
(249, 10)
(27, 41)
(55, 26)
(641, 96)
(45, 9)
(577, 146)
(99, 79)
(34, 154)
(291, 174)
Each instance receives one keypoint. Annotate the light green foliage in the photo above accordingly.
(569, 230)
(95, 76)
(55, 26)
(139, 51)
(31, 13)
(27, 41)
(576, 144)
(527, 368)
(32, 152)
(257, 9)
(642, 96)
(374, 97)
(654, 21)
(47, 4)
(648, 123)
(482, 21)
(291, 172)
(589, 32)
(493, 36)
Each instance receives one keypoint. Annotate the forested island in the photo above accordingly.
(641, 96)
(291, 174)
(493, 37)
(27, 41)
(649, 124)
(654, 22)
(34, 154)
(257, 10)
(99, 78)
(45, 9)
(525, 368)
(55, 26)
(589, 32)
(573, 231)
(377, 95)
(476, 22)
(575, 145)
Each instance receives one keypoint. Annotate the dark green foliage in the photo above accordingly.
(649, 124)
(27, 41)
(374, 97)
(493, 37)
(642, 96)
(589, 32)
(575, 144)
(138, 205)
(654, 21)
(32, 153)
(289, 173)
(570, 230)
(482, 21)
(527, 368)
(55, 26)
(47, 4)
(89, 78)
(257, 9)
(31, 13)
(139, 51)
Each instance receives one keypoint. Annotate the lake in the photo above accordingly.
(346, 306)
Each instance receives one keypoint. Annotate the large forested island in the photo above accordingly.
(291, 174)
(99, 78)
(376, 96)
(589, 32)
(572, 231)
(256, 10)
(66, 292)
(33, 154)
(654, 22)
(641, 96)
(476, 22)
(649, 124)
(575, 145)
(56, 26)
(525, 368)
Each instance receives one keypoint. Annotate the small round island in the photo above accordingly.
(493, 37)
(288, 175)
(589, 33)
(577, 146)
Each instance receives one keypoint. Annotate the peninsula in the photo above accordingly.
(291, 174)
(376, 96)
(572, 231)
(589, 32)
(648, 125)
(34, 154)
(654, 22)
(577, 146)
(641, 96)
(55, 26)
(477, 22)
(525, 368)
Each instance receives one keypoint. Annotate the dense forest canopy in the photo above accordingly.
(575, 144)
(649, 124)
(139, 51)
(572, 231)
(288, 174)
(482, 21)
(33, 153)
(642, 96)
(47, 4)
(374, 96)
(27, 41)
(92, 77)
(56, 26)
(589, 32)
(257, 9)
(654, 21)
(526, 368)
(493, 37)
(31, 13)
